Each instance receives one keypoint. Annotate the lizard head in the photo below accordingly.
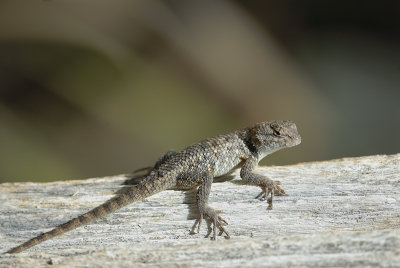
(269, 137)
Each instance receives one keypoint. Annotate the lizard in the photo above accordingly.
(196, 166)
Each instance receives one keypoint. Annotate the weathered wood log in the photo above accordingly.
(342, 212)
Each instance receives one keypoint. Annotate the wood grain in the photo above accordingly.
(343, 212)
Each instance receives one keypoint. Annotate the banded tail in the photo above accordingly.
(136, 193)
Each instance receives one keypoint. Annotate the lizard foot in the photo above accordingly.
(215, 220)
(273, 189)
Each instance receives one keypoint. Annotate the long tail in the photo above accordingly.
(136, 193)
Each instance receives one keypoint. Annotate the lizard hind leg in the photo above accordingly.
(139, 174)
(205, 210)
(164, 158)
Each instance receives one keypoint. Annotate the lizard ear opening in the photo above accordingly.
(257, 135)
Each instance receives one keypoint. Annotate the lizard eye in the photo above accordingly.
(276, 131)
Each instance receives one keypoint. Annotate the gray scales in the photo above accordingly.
(196, 166)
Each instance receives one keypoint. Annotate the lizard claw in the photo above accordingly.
(272, 190)
(278, 190)
(219, 223)
(215, 220)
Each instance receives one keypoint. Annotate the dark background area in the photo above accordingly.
(99, 88)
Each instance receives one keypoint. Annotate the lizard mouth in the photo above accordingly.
(293, 141)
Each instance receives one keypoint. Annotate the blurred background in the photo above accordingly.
(100, 88)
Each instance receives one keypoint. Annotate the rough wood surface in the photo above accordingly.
(338, 213)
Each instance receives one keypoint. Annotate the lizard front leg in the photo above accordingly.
(267, 185)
